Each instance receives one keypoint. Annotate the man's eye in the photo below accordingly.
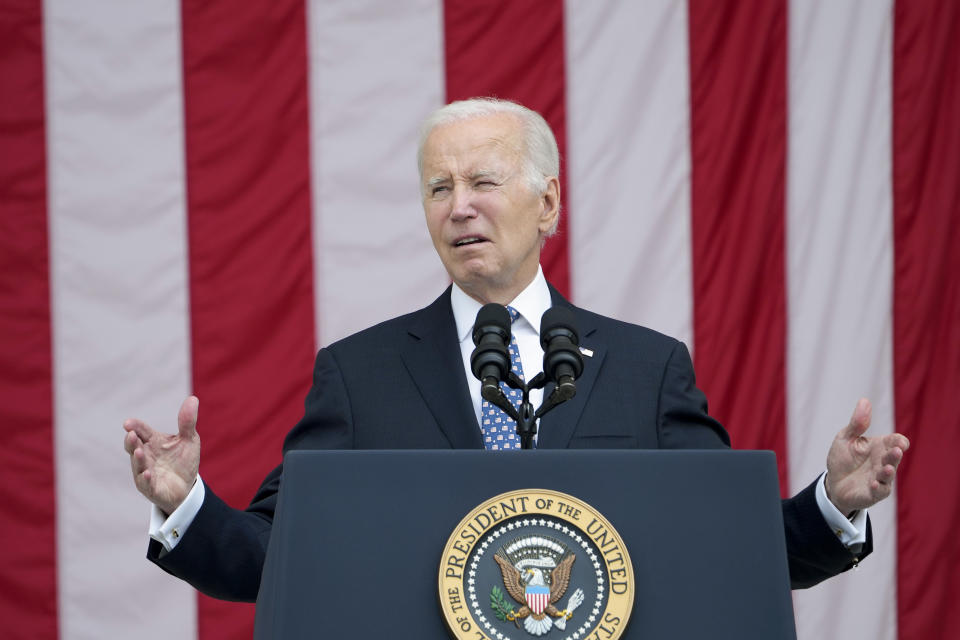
(438, 189)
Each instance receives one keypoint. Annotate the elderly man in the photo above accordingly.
(491, 197)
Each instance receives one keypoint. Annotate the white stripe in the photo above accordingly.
(376, 72)
(840, 274)
(629, 161)
(120, 324)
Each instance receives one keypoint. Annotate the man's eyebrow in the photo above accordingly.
(474, 175)
(485, 173)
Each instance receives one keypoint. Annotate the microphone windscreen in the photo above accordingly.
(558, 318)
(491, 315)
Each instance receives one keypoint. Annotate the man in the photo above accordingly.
(491, 197)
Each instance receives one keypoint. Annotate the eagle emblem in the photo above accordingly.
(536, 574)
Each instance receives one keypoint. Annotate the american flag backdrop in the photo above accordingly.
(196, 195)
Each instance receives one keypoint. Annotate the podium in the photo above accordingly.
(358, 538)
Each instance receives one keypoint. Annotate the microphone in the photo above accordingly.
(562, 361)
(490, 360)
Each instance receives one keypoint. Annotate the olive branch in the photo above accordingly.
(499, 604)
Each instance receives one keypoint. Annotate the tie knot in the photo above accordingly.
(514, 314)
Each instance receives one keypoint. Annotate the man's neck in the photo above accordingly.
(502, 296)
(531, 303)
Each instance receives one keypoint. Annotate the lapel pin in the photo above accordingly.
(586, 352)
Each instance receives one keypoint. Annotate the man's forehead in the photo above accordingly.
(479, 165)
(499, 132)
(470, 150)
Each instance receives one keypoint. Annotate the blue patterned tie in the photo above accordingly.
(499, 429)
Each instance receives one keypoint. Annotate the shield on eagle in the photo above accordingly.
(538, 597)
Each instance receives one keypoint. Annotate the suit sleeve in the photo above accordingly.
(814, 552)
(223, 551)
(327, 421)
(683, 421)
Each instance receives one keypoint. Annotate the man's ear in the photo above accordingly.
(550, 201)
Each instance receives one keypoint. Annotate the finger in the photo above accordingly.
(892, 457)
(131, 441)
(886, 474)
(880, 491)
(187, 417)
(142, 482)
(859, 421)
(140, 461)
(897, 440)
(141, 428)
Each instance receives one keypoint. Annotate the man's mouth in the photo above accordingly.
(466, 240)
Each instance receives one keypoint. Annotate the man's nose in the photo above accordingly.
(462, 203)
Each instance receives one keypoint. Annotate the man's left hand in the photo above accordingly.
(861, 469)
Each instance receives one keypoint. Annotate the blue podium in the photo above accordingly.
(358, 545)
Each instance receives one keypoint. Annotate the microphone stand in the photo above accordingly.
(526, 418)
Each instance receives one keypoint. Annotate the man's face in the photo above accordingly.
(485, 222)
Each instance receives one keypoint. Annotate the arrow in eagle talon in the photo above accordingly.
(575, 601)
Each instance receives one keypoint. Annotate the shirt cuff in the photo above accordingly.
(168, 530)
(851, 531)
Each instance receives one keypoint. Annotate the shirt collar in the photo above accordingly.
(530, 303)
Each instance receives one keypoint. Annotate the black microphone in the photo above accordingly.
(490, 360)
(562, 361)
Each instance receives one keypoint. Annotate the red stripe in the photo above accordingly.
(514, 50)
(28, 558)
(738, 148)
(251, 283)
(926, 308)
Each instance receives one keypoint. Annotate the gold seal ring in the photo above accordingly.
(535, 563)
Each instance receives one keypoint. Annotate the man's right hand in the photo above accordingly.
(165, 465)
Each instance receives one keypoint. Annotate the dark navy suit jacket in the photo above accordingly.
(401, 385)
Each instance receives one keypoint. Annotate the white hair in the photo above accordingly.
(541, 156)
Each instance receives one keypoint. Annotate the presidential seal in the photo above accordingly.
(535, 563)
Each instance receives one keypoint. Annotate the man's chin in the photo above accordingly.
(475, 283)
(472, 273)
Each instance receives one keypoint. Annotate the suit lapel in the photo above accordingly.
(432, 356)
(556, 428)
